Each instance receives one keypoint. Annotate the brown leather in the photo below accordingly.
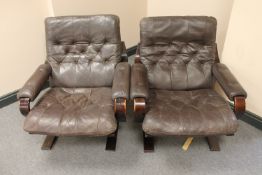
(73, 111)
(195, 113)
(35, 83)
(139, 81)
(83, 49)
(120, 87)
(166, 29)
(83, 58)
(178, 52)
(228, 82)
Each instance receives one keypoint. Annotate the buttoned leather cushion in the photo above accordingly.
(178, 52)
(83, 50)
(198, 112)
(73, 111)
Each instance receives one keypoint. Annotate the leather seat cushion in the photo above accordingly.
(195, 113)
(73, 111)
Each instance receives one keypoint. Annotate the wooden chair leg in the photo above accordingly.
(139, 117)
(49, 142)
(121, 117)
(111, 141)
(120, 109)
(213, 143)
(139, 109)
(148, 143)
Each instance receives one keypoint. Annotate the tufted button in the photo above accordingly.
(56, 42)
(193, 52)
(202, 62)
(186, 62)
(87, 40)
(58, 60)
(82, 50)
(66, 50)
(73, 42)
(98, 50)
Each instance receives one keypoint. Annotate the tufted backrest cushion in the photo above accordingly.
(178, 51)
(83, 50)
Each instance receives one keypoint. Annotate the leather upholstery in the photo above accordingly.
(73, 111)
(83, 58)
(178, 52)
(228, 82)
(179, 58)
(139, 82)
(120, 87)
(33, 86)
(83, 49)
(195, 113)
(166, 29)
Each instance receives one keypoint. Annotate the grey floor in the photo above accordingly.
(20, 152)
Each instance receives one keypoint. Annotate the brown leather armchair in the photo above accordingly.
(89, 83)
(172, 81)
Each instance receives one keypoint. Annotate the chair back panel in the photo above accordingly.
(178, 51)
(83, 50)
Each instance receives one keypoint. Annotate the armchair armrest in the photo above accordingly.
(120, 90)
(139, 89)
(120, 87)
(32, 87)
(234, 91)
(139, 81)
(228, 82)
